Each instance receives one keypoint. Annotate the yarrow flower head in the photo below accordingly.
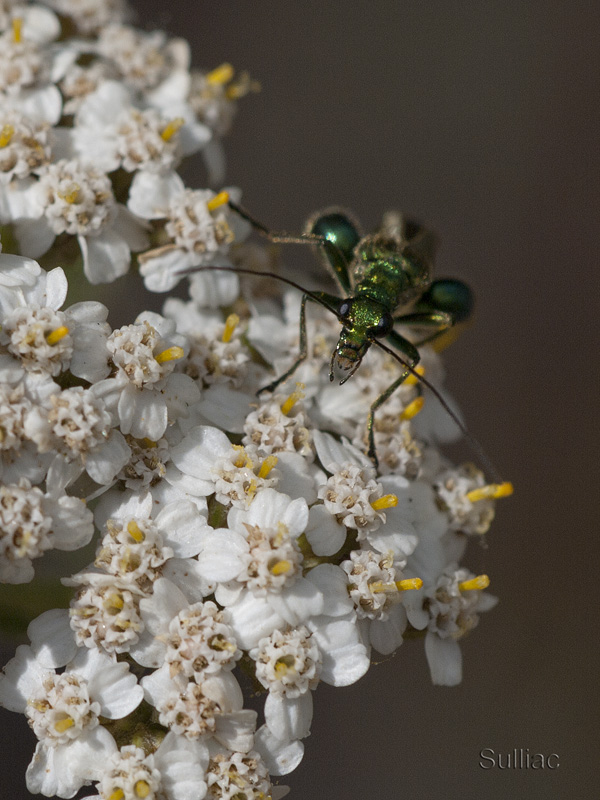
(259, 529)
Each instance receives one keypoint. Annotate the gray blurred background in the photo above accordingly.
(481, 118)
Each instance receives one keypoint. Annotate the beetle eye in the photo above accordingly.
(344, 308)
(383, 327)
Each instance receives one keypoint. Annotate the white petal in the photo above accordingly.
(182, 528)
(34, 236)
(331, 452)
(226, 407)
(252, 618)
(386, 635)
(21, 678)
(143, 413)
(236, 730)
(182, 764)
(108, 458)
(325, 535)
(345, 658)
(151, 193)
(110, 682)
(280, 757)
(213, 154)
(42, 105)
(296, 604)
(332, 581)
(289, 718)
(52, 640)
(444, 659)
(106, 257)
(199, 450)
(223, 554)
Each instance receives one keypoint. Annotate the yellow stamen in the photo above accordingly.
(409, 584)
(142, 789)
(6, 134)
(17, 26)
(251, 490)
(231, 324)
(490, 492)
(387, 501)
(73, 196)
(287, 406)
(281, 567)
(449, 337)
(64, 724)
(217, 201)
(134, 530)
(114, 600)
(220, 75)
(267, 465)
(412, 409)
(412, 380)
(148, 443)
(281, 669)
(170, 354)
(118, 794)
(406, 585)
(171, 128)
(480, 582)
(243, 459)
(57, 334)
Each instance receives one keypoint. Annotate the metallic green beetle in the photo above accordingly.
(386, 280)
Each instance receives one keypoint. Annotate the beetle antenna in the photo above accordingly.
(471, 440)
(261, 274)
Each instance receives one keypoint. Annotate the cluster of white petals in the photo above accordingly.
(240, 533)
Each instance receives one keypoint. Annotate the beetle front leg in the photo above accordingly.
(412, 358)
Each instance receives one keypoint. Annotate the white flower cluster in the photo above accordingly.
(245, 542)
(238, 536)
(95, 118)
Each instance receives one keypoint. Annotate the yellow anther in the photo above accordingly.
(217, 201)
(281, 567)
(64, 724)
(72, 196)
(170, 354)
(142, 789)
(412, 379)
(231, 324)
(267, 465)
(387, 501)
(291, 401)
(220, 75)
(241, 458)
(149, 443)
(409, 584)
(17, 26)
(251, 490)
(57, 334)
(490, 492)
(134, 530)
(281, 669)
(412, 409)
(480, 582)
(171, 128)
(118, 794)
(6, 134)
(114, 600)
